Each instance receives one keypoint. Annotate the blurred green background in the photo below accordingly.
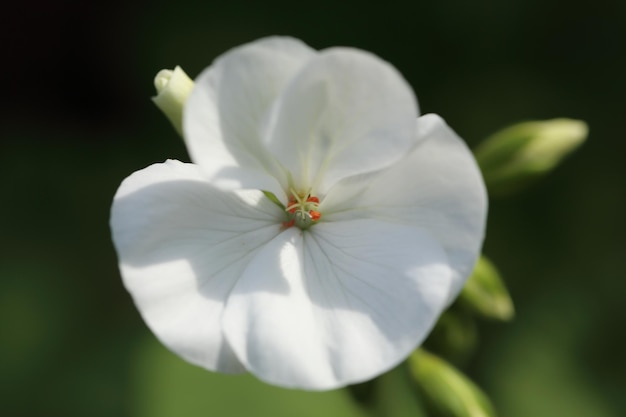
(76, 119)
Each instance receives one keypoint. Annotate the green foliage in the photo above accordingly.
(166, 386)
(396, 396)
(545, 357)
(455, 335)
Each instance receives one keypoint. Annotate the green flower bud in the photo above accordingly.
(486, 294)
(447, 390)
(514, 156)
(173, 88)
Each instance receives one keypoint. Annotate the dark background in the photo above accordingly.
(76, 119)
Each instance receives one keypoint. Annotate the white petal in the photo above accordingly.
(337, 304)
(346, 112)
(226, 111)
(437, 187)
(182, 245)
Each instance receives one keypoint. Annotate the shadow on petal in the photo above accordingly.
(215, 232)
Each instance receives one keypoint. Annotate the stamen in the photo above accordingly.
(315, 215)
(303, 210)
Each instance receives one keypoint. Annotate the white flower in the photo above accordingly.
(384, 218)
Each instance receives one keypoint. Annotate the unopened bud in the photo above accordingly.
(173, 88)
(516, 155)
(486, 294)
(445, 389)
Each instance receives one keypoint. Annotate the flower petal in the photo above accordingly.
(437, 188)
(336, 304)
(346, 112)
(227, 109)
(182, 244)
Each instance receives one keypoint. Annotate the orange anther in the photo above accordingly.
(300, 208)
(315, 215)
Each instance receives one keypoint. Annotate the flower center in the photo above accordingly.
(302, 209)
